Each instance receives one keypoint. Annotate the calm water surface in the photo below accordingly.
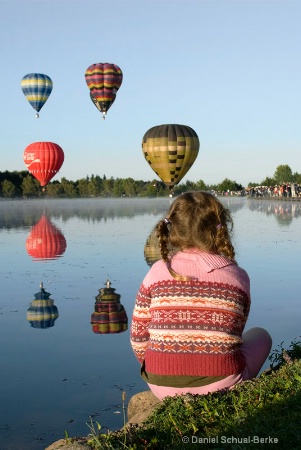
(55, 370)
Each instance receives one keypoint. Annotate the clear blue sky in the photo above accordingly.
(231, 70)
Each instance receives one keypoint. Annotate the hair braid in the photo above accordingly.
(163, 238)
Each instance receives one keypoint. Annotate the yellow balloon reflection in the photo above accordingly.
(152, 249)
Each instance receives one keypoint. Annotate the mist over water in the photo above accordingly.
(55, 369)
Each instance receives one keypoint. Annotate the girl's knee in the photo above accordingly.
(258, 334)
(257, 331)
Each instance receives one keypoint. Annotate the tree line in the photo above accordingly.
(23, 185)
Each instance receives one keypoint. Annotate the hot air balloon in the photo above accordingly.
(109, 315)
(152, 249)
(43, 160)
(36, 87)
(45, 241)
(98, 106)
(170, 150)
(103, 80)
(42, 312)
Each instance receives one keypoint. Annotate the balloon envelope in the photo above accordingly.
(109, 315)
(43, 160)
(36, 87)
(42, 312)
(103, 80)
(170, 150)
(45, 241)
(152, 249)
(99, 105)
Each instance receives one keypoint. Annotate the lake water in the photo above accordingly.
(56, 368)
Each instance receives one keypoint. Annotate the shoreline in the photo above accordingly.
(268, 197)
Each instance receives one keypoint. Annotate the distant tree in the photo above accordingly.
(201, 186)
(152, 188)
(9, 190)
(142, 186)
(55, 189)
(297, 178)
(129, 187)
(99, 185)
(118, 190)
(283, 174)
(162, 189)
(212, 187)
(190, 186)
(83, 187)
(95, 187)
(268, 182)
(228, 185)
(69, 188)
(108, 186)
(30, 187)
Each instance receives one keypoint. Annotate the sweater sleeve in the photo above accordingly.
(140, 322)
(247, 305)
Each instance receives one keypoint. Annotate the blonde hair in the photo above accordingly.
(196, 220)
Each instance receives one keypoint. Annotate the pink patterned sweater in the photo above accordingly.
(192, 328)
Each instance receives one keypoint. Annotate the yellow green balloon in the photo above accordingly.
(170, 150)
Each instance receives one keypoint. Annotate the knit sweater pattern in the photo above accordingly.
(192, 328)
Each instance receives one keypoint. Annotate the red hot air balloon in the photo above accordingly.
(45, 241)
(43, 160)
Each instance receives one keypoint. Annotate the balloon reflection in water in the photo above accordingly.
(45, 241)
(109, 316)
(42, 312)
(152, 249)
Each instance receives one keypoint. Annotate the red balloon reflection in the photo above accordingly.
(45, 241)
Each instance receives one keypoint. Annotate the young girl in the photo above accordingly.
(192, 306)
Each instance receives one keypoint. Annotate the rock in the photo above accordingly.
(141, 406)
(69, 444)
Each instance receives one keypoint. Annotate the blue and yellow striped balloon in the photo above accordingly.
(36, 87)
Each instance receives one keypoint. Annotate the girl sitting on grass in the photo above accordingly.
(191, 309)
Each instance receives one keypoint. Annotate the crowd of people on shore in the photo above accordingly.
(285, 190)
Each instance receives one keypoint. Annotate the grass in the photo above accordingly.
(258, 414)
